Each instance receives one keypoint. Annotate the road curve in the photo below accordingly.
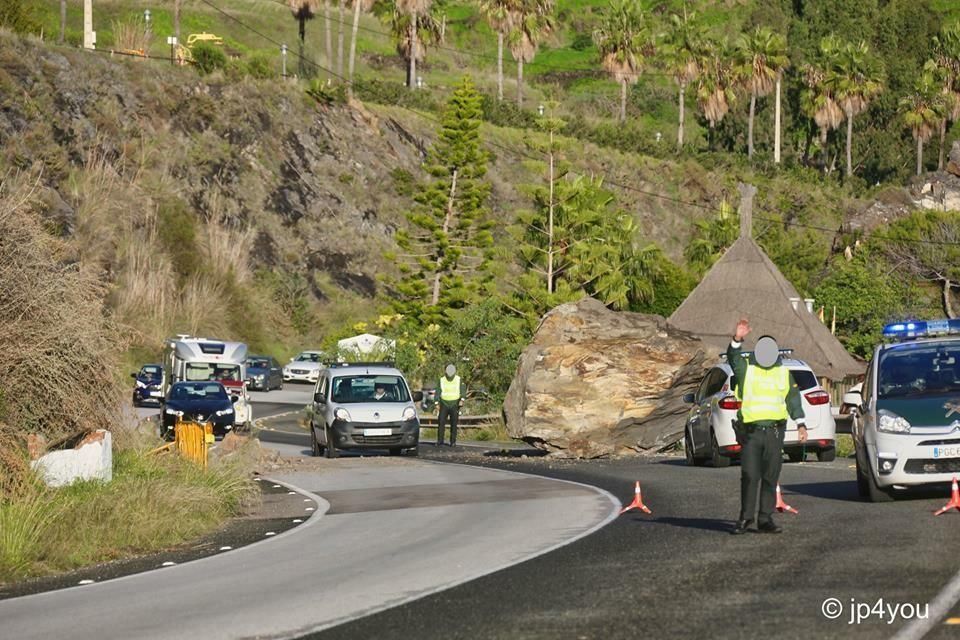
(391, 531)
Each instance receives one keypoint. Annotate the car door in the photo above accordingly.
(274, 377)
(320, 409)
(696, 418)
(712, 385)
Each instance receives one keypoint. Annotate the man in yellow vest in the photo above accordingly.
(768, 395)
(451, 399)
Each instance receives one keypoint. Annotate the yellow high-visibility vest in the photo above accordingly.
(763, 395)
(450, 389)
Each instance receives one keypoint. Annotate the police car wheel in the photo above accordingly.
(862, 490)
(690, 453)
(395, 451)
(716, 458)
(875, 493)
(329, 450)
(314, 445)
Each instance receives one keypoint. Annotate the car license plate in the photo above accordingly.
(378, 432)
(946, 452)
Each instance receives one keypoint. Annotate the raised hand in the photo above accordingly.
(743, 328)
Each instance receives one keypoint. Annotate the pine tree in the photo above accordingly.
(447, 245)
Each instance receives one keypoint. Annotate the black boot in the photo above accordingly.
(770, 527)
(742, 526)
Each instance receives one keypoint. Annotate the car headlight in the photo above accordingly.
(172, 412)
(341, 414)
(258, 377)
(225, 412)
(892, 423)
(409, 413)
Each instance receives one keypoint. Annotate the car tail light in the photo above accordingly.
(732, 448)
(817, 398)
(825, 443)
(730, 403)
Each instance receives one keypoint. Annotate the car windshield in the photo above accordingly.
(197, 391)
(369, 388)
(204, 371)
(308, 357)
(919, 369)
(151, 372)
(258, 363)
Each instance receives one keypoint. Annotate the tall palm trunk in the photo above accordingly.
(776, 125)
(176, 20)
(412, 74)
(520, 82)
(500, 66)
(340, 25)
(302, 59)
(63, 21)
(943, 142)
(683, 90)
(919, 155)
(328, 37)
(753, 111)
(849, 142)
(623, 100)
(947, 306)
(353, 46)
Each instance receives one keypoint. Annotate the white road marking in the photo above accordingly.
(941, 605)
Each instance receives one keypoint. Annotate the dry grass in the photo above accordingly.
(57, 346)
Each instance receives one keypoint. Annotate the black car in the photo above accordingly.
(149, 384)
(263, 373)
(199, 402)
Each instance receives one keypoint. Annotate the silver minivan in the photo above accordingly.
(363, 406)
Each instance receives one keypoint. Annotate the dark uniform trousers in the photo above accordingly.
(760, 463)
(451, 412)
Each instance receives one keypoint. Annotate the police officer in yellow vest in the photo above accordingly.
(768, 395)
(451, 399)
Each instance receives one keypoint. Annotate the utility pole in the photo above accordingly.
(176, 19)
(745, 210)
(172, 41)
(283, 57)
(89, 35)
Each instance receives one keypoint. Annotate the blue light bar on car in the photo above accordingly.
(921, 328)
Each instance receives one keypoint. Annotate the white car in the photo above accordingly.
(364, 406)
(906, 425)
(709, 434)
(305, 367)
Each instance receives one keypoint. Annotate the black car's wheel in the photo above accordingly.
(136, 402)
(716, 458)
(863, 490)
(315, 449)
(329, 449)
(414, 452)
(827, 455)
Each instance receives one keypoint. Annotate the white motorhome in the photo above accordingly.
(193, 359)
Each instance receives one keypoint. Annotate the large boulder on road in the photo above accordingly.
(596, 382)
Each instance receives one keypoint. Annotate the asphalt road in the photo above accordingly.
(678, 573)
(386, 530)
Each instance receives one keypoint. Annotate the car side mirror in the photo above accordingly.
(418, 396)
(853, 398)
(246, 383)
(688, 398)
(234, 399)
(133, 375)
(318, 398)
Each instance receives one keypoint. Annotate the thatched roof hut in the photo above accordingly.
(745, 283)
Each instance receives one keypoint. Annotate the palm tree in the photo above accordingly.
(817, 100)
(531, 22)
(358, 7)
(63, 20)
(621, 41)
(855, 79)
(684, 51)
(715, 91)
(428, 32)
(924, 109)
(413, 8)
(499, 14)
(947, 59)
(760, 60)
(303, 10)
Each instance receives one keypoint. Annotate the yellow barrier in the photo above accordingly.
(193, 440)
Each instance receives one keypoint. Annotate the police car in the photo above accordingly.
(906, 427)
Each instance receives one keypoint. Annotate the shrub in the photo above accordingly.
(260, 66)
(208, 57)
(18, 16)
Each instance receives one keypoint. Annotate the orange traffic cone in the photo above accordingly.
(954, 500)
(637, 502)
(781, 505)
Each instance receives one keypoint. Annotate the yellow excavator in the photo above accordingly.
(183, 52)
